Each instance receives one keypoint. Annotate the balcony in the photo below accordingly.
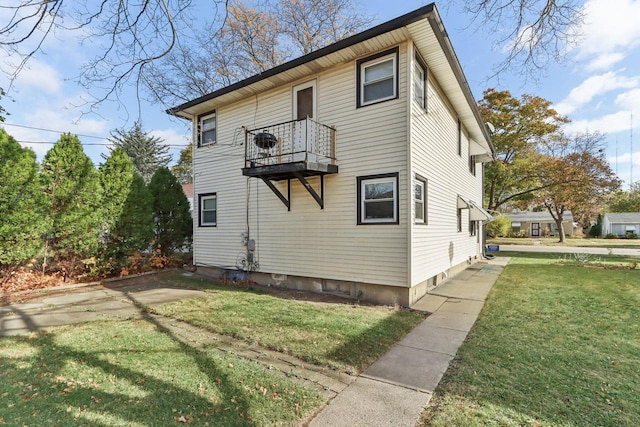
(292, 150)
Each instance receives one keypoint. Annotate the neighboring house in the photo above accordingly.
(187, 189)
(621, 224)
(355, 169)
(539, 224)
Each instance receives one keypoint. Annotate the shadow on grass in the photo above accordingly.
(38, 391)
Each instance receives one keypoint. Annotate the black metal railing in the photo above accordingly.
(302, 140)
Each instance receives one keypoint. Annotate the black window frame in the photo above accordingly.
(421, 63)
(459, 218)
(202, 117)
(459, 138)
(201, 197)
(425, 192)
(359, 77)
(396, 200)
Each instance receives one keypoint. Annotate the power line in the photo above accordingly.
(51, 130)
(104, 144)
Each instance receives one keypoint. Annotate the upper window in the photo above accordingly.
(420, 200)
(378, 199)
(472, 165)
(207, 129)
(208, 204)
(459, 138)
(420, 83)
(378, 78)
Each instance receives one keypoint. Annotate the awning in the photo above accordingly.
(476, 213)
(462, 203)
(630, 228)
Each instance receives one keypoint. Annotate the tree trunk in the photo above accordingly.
(560, 230)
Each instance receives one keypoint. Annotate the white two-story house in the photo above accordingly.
(355, 169)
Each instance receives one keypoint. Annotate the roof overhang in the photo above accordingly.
(424, 26)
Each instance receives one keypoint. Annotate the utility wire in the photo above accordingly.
(51, 130)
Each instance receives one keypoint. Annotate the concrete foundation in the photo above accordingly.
(369, 292)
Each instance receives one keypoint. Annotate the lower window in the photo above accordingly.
(208, 210)
(378, 199)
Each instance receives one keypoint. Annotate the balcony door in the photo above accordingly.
(304, 106)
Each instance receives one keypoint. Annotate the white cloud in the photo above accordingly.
(41, 76)
(171, 136)
(604, 61)
(594, 86)
(610, 123)
(610, 25)
(630, 101)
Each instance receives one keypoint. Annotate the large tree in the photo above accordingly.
(163, 45)
(23, 220)
(522, 128)
(576, 176)
(127, 209)
(171, 212)
(183, 170)
(531, 33)
(74, 197)
(148, 153)
(626, 201)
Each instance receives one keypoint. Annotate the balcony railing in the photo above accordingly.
(302, 140)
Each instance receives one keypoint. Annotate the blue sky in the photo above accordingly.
(598, 87)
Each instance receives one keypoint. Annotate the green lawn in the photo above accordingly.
(556, 345)
(136, 373)
(347, 337)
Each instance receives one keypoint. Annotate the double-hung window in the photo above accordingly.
(420, 83)
(207, 129)
(378, 78)
(378, 199)
(208, 206)
(420, 200)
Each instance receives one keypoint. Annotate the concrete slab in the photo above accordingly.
(410, 367)
(372, 403)
(429, 303)
(455, 288)
(459, 322)
(435, 338)
(461, 306)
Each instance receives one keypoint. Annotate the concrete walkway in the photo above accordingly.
(394, 390)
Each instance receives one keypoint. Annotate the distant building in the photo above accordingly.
(621, 223)
(539, 224)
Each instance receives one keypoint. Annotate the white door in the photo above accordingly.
(304, 106)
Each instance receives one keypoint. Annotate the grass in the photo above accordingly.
(129, 373)
(570, 241)
(556, 345)
(342, 336)
(137, 373)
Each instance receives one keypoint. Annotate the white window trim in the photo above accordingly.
(362, 181)
(201, 119)
(393, 56)
(310, 84)
(201, 199)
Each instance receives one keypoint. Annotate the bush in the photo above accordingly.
(499, 227)
(611, 236)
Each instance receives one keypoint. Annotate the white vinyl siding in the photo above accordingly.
(437, 246)
(309, 241)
